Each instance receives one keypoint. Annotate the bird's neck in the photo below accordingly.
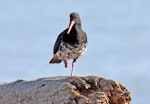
(78, 27)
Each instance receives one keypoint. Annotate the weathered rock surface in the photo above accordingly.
(64, 90)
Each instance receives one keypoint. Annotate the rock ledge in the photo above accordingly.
(64, 90)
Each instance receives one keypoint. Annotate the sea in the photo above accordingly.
(118, 34)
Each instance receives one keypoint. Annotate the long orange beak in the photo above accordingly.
(70, 26)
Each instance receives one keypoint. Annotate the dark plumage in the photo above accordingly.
(71, 43)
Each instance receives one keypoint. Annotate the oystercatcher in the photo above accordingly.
(71, 43)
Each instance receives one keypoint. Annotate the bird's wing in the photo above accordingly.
(58, 41)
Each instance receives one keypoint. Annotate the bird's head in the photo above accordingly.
(74, 20)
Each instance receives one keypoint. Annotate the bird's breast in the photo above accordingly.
(67, 51)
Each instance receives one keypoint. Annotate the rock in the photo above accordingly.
(64, 90)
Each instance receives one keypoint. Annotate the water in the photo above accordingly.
(118, 35)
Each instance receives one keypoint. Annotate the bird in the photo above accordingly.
(71, 43)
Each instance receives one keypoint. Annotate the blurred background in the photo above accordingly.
(118, 41)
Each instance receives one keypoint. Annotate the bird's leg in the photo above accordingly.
(73, 65)
(66, 64)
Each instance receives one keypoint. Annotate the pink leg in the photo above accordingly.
(73, 65)
(66, 64)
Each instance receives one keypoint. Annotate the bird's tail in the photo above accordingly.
(55, 60)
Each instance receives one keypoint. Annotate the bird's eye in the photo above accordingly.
(76, 17)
